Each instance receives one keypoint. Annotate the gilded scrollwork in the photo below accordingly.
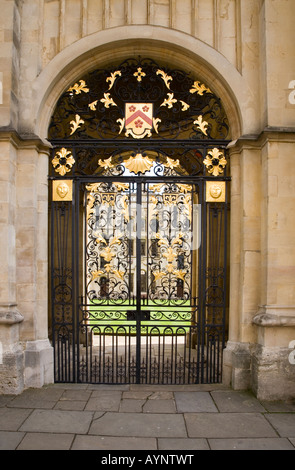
(170, 101)
(92, 105)
(201, 125)
(170, 260)
(76, 123)
(79, 87)
(107, 100)
(100, 97)
(113, 77)
(106, 253)
(106, 164)
(200, 88)
(167, 78)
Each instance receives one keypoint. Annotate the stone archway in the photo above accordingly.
(174, 47)
(160, 137)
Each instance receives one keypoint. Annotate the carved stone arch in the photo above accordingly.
(173, 47)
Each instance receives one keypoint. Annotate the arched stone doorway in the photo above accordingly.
(139, 157)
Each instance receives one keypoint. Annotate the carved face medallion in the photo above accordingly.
(62, 190)
(215, 191)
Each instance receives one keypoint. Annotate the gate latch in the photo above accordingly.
(133, 315)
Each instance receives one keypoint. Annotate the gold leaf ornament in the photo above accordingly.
(75, 124)
(107, 100)
(215, 162)
(96, 274)
(79, 87)
(92, 105)
(165, 77)
(107, 254)
(113, 77)
(63, 161)
(170, 254)
(139, 74)
(200, 89)
(122, 124)
(185, 106)
(180, 274)
(201, 125)
(169, 101)
(158, 274)
(170, 163)
(138, 164)
(106, 164)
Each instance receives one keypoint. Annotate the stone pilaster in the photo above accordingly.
(11, 353)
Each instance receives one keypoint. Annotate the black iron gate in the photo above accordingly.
(138, 231)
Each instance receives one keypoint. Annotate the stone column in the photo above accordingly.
(32, 256)
(11, 360)
(273, 375)
(245, 260)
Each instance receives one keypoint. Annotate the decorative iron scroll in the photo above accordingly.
(111, 229)
(139, 99)
(107, 243)
(170, 242)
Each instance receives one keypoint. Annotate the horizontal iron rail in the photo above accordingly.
(193, 144)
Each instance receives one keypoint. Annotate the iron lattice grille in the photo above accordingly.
(138, 248)
(138, 99)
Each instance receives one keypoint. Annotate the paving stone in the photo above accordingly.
(129, 405)
(111, 387)
(251, 444)
(279, 406)
(161, 396)
(139, 425)
(37, 398)
(113, 443)
(159, 406)
(194, 402)
(75, 405)
(284, 423)
(58, 421)
(182, 444)
(76, 395)
(236, 402)
(227, 425)
(46, 441)
(10, 440)
(5, 399)
(11, 419)
(170, 388)
(70, 386)
(137, 394)
(102, 401)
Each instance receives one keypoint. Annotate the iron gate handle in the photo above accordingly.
(133, 315)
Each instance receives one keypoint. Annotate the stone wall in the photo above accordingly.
(243, 50)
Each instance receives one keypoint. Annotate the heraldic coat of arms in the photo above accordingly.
(139, 119)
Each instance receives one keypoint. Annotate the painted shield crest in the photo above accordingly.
(139, 119)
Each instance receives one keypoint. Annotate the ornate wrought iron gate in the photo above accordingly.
(138, 229)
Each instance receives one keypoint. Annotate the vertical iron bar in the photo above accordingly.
(138, 278)
(75, 281)
(52, 217)
(202, 297)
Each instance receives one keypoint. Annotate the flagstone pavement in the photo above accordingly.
(144, 417)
